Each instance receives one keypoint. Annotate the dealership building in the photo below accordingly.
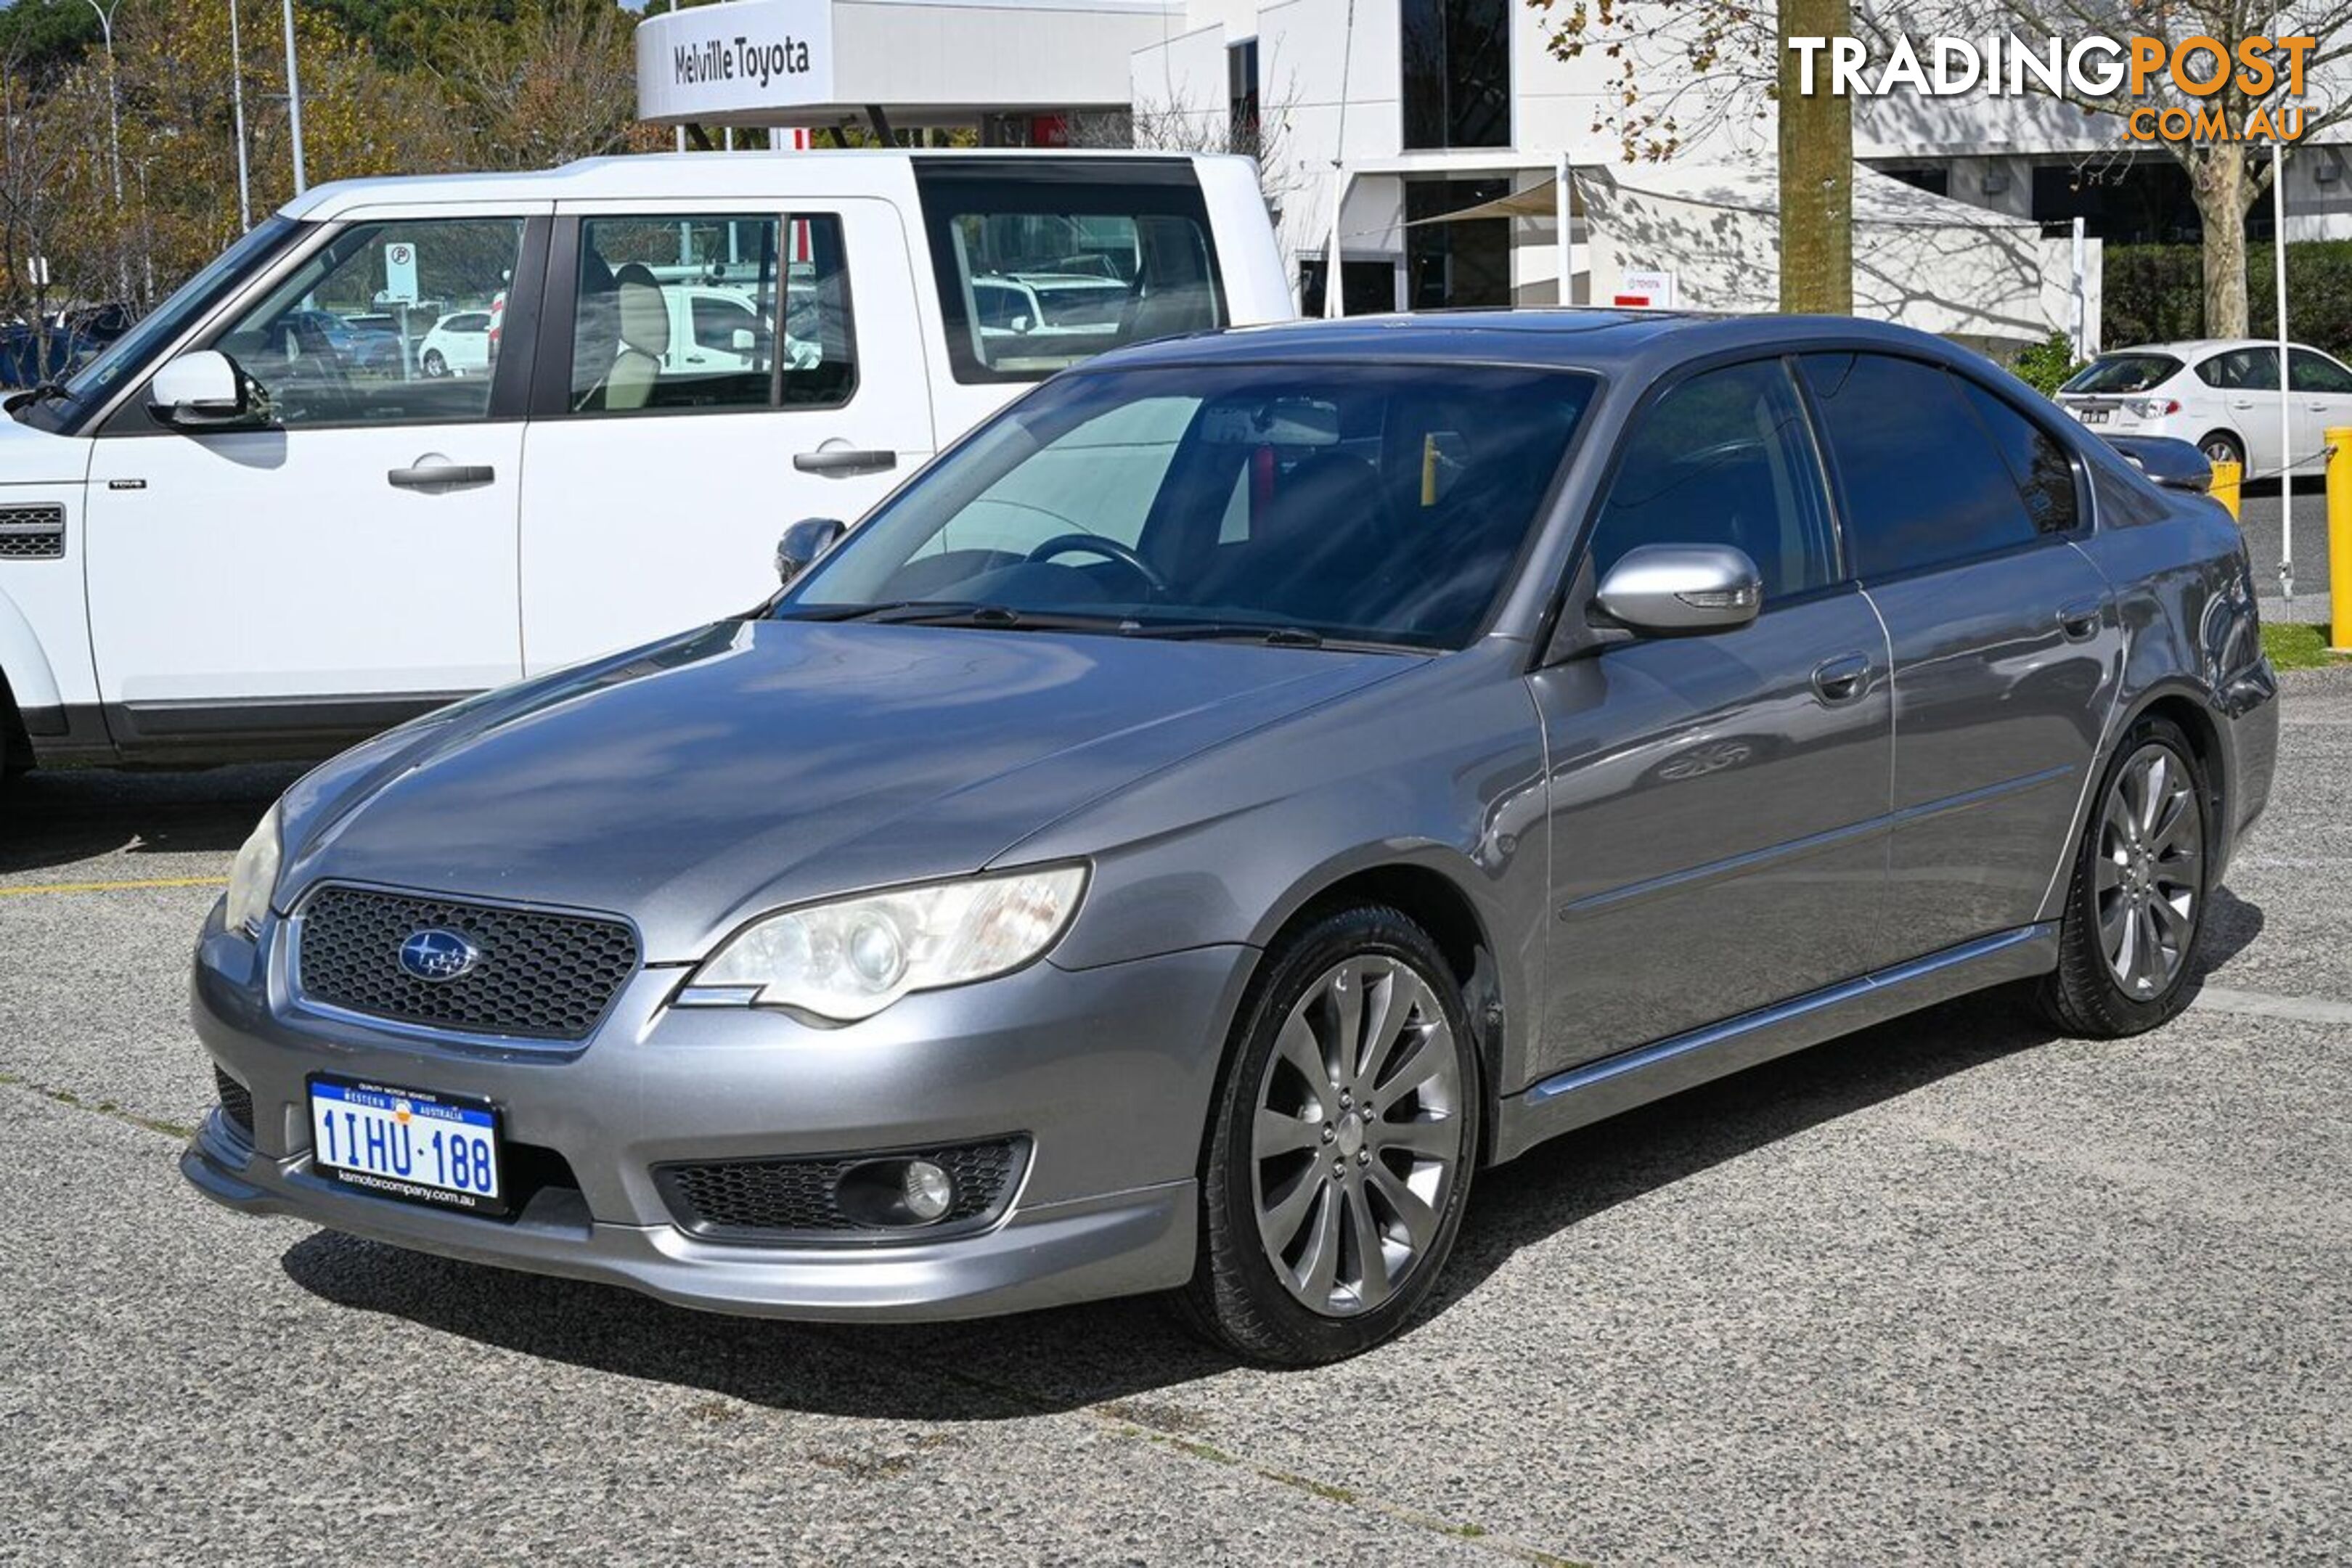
(1443, 155)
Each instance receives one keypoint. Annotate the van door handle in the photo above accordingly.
(442, 476)
(2080, 620)
(846, 460)
(1842, 678)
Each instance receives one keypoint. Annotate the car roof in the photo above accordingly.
(1633, 343)
(2189, 347)
(828, 171)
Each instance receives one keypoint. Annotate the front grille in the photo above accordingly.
(772, 1200)
(235, 1102)
(32, 532)
(540, 975)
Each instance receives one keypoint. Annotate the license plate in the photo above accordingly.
(407, 1144)
(2092, 415)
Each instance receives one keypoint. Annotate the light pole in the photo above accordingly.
(237, 103)
(293, 100)
(114, 145)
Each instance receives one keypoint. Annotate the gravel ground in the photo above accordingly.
(1950, 1291)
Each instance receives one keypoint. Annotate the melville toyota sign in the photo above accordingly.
(715, 60)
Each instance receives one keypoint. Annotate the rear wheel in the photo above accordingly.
(1342, 1153)
(2221, 446)
(435, 365)
(2136, 901)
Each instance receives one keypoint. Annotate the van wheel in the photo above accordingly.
(2135, 903)
(435, 365)
(1339, 1158)
(2221, 446)
(15, 746)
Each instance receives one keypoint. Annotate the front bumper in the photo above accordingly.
(1106, 1073)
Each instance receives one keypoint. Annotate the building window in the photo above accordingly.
(1241, 94)
(1452, 266)
(1457, 73)
(1931, 178)
(1367, 287)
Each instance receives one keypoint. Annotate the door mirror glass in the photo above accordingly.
(1679, 588)
(803, 542)
(202, 390)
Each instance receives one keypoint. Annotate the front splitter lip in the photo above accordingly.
(1116, 1244)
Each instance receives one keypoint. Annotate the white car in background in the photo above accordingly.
(2220, 394)
(458, 344)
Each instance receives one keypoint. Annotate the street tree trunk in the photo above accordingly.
(2223, 189)
(1817, 171)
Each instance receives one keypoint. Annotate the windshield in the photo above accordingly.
(129, 354)
(1360, 503)
(2124, 373)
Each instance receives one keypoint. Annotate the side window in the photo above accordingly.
(1923, 482)
(2309, 372)
(721, 311)
(1725, 458)
(360, 333)
(2247, 370)
(2037, 463)
(1036, 274)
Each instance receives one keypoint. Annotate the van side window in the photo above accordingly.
(373, 328)
(692, 312)
(1036, 274)
(1725, 458)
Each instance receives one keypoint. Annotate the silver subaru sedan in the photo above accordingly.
(1235, 797)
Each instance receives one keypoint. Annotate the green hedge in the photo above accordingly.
(2155, 293)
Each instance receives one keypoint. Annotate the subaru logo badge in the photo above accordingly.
(437, 954)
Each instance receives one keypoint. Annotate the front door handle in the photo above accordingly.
(441, 475)
(2080, 620)
(846, 460)
(1842, 678)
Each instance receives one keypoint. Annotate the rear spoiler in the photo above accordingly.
(2175, 465)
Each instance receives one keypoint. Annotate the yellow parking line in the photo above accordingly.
(113, 887)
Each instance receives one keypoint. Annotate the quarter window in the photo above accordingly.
(1923, 482)
(682, 313)
(350, 338)
(1725, 458)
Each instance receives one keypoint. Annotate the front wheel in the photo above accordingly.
(1341, 1156)
(2135, 904)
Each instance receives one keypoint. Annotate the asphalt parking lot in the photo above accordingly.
(1952, 1290)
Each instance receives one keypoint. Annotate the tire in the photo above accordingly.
(435, 365)
(2145, 885)
(2221, 446)
(1397, 1179)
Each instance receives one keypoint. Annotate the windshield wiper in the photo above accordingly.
(961, 613)
(1228, 631)
(42, 391)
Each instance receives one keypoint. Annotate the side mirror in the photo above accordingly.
(1675, 588)
(203, 390)
(743, 341)
(803, 542)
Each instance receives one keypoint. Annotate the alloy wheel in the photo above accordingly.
(2149, 871)
(1358, 1136)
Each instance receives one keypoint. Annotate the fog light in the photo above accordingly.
(926, 1189)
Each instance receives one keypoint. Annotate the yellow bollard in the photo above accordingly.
(2227, 478)
(2339, 538)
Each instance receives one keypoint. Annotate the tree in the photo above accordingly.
(2226, 176)
(1727, 68)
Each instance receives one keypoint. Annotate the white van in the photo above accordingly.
(262, 524)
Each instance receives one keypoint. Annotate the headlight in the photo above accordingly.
(849, 959)
(253, 877)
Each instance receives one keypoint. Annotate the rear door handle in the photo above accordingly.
(2080, 620)
(442, 476)
(846, 460)
(1842, 678)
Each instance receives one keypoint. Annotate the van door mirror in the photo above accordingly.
(1681, 588)
(743, 341)
(803, 542)
(202, 390)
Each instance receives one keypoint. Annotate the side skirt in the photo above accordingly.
(1599, 1090)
